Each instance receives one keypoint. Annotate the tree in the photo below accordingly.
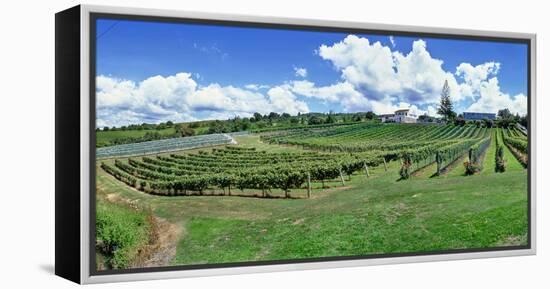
(504, 114)
(194, 124)
(446, 106)
(370, 115)
(314, 119)
(505, 118)
(217, 127)
(330, 119)
(183, 130)
(257, 116)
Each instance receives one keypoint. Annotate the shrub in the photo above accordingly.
(500, 166)
(405, 172)
(142, 185)
(471, 168)
(120, 231)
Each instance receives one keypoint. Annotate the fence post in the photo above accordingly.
(366, 168)
(308, 185)
(341, 177)
(438, 161)
(385, 166)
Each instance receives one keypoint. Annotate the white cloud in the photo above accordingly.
(231, 99)
(492, 99)
(392, 41)
(484, 86)
(378, 72)
(474, 75)
(179, 98)
(422, 77)
(386, 77)
(253, 86)
(283, 100)
(121, 102)
(432, 110)
(369, 68)
(342, 92)
(300, 71)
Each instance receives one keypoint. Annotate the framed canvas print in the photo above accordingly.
(194, 144)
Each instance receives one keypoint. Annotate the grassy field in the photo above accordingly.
(371, 215)
(105, 137)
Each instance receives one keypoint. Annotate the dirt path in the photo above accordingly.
(162, 249)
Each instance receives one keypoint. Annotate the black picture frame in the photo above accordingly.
(69, 191)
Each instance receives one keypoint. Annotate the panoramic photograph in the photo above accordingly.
(224, 144)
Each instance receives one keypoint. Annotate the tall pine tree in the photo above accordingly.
(446, 106)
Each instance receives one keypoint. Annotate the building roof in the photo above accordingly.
(402, 110)
(469, 112)
(386, 115)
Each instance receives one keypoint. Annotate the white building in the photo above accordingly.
(386, 117)
(400, 116)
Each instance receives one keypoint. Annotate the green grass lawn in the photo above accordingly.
(371, 215)
(489, 162)
(456, 168)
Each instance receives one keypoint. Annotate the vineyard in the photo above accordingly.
(236, 167)
(417, 145)
(516, 140)
(324, 154)
(358, 188)
(165, 145)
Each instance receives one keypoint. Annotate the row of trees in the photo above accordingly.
(143, 126)
(256, 121)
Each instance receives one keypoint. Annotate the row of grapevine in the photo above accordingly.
(362, 138)
(475, 164)
(185, 174)
(518, 145)
(443, 156)
(500, 162)
(447, 155)
(120, 175)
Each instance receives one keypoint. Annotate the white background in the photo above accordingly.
(27, 143)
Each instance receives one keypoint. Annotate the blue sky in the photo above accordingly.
(217, 58)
